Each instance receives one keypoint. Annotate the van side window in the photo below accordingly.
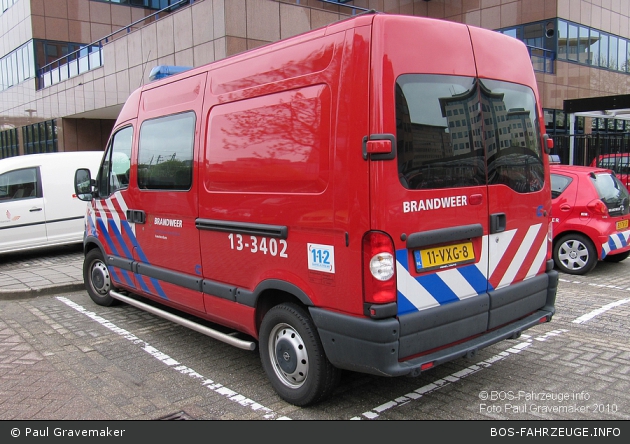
(165, 152)
(447, 124)
(114, 173)
(19, 184)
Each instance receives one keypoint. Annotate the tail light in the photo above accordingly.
(379, 268)
(598, 207)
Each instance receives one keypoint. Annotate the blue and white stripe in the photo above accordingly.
(615, 242)
(416, 293)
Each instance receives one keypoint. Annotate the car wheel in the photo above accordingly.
(617, 257)
(97, 278)
(293, 356)
(575, 254)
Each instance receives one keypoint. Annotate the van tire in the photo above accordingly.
(305, 376)
(97, 278)
(574, 254)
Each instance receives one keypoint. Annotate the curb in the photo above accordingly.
(27, 293)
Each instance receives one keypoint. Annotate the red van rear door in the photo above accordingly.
(519, 195)
(461, 193)
(430, 196)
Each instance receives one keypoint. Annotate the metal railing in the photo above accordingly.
(89, 56)
(587, 147)
(344, 3)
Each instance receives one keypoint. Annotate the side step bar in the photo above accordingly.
(223, 337)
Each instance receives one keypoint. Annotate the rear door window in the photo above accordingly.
(448, 125)
(439, 132)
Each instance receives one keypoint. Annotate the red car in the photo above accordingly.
(590, 217)
(619, 163)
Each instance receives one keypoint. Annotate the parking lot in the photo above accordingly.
(63, 357)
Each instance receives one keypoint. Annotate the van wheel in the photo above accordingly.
(97, 278)
(293, 356)
(574, 254)
(617, 257)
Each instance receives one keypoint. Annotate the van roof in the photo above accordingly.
(62, 157)
(348, 23)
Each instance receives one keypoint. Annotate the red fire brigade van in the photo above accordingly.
(371, 196)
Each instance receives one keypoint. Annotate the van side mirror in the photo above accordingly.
(83, 184)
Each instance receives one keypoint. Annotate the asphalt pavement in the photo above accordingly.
(41, 272)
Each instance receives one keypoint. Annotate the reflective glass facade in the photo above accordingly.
(572, 42)
(17, 66)
(587, 46)
(151, 4)
(9, 145)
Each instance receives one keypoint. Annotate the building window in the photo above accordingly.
(17, 66)
(150, 4)
(609, 126)
(47, 51)
(6, 4)
(594, 48)
(540, 41)
(40, 137)
(572, 42)
(9, 145)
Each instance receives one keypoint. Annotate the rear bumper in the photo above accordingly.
(615, 243)
(387, 347)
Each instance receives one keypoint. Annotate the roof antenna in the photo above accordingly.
(144, 67)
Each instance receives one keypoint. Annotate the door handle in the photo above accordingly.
(565, 207)
(136, 216)
(498, 223)
(34, 209)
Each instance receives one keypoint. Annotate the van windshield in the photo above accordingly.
(447, 124)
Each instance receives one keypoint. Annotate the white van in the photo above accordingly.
(38, 206)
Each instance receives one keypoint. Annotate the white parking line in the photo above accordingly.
(592, 314)
(594, 284)
(454, 377)
(208, 383)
